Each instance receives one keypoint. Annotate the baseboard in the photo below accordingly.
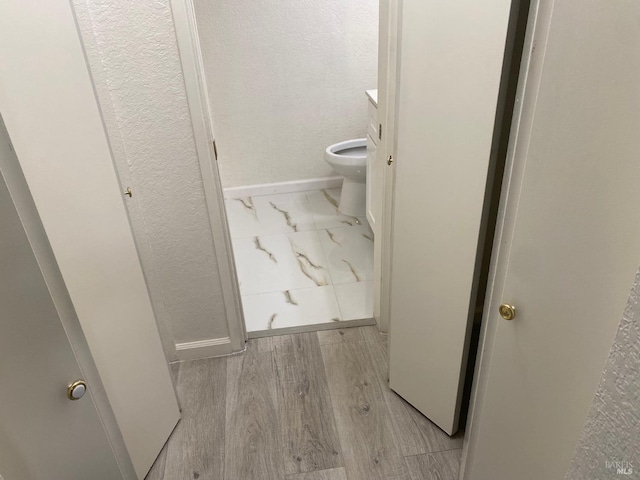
(213, 347)
(283, 187)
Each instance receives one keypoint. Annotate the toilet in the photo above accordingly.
(349, 159)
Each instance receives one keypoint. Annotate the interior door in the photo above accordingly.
(43, 434)
(49, 106)
(450, 64)
(570, 242)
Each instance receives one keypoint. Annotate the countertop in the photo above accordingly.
(373, 96)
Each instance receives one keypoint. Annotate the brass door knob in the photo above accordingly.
(76, 390)
(128, 192)
(508, 312)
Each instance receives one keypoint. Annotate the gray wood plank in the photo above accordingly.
(310, 441)
(435, 466)
(253, 448)
(373, 335)
(362, 418)
(445, 465)
(284, 344)
(328, 337)
(263, 344)
(415, 433)
(333, 474)
(418, 466)
(196, 447)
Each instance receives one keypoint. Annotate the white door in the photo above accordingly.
(450, 63)
(570, 242)
(52, 116)
(43, 435)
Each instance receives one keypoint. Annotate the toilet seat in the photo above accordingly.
(354, 151)
(349, 159)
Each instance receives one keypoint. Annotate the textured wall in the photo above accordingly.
(611, 436)
(286, 79)
(133, 56)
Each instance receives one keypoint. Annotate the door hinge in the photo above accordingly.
(379, 131)
(215, 150)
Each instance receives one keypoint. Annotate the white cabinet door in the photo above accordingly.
(43, 435)
(570, 245)
(450, 72)
(52, 116)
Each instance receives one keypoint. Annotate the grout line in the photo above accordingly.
(333, 290)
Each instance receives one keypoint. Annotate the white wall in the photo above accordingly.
(133, 57)
(612, 431)
(286, 79)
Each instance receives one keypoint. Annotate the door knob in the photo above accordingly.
(128, 192)
(508, 312)
(76, 390)
(389, 160)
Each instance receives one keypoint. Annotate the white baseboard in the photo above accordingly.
(213, 347)
(283, 187)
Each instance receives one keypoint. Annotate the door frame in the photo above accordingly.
(197, 97)
(389, 32)
(195, 83)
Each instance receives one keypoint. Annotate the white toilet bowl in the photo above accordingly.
(349, 159)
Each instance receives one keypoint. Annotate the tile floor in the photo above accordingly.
(300, 262)
(308, 406)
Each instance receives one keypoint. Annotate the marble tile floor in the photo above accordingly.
(308, 406)
(300, 262)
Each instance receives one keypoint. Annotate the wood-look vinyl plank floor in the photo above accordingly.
(414, 433)
(333, 474)
(435, 466)
(196, 447)
(328, 337)
(262, 344)
(253, 443)
(282, 408)
(363, 420)
(309, 438)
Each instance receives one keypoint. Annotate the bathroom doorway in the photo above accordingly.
(297, 212)
(284, 81)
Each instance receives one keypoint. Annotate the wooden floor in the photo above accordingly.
(308, 406)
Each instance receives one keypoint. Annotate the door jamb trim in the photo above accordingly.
(197, 98)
